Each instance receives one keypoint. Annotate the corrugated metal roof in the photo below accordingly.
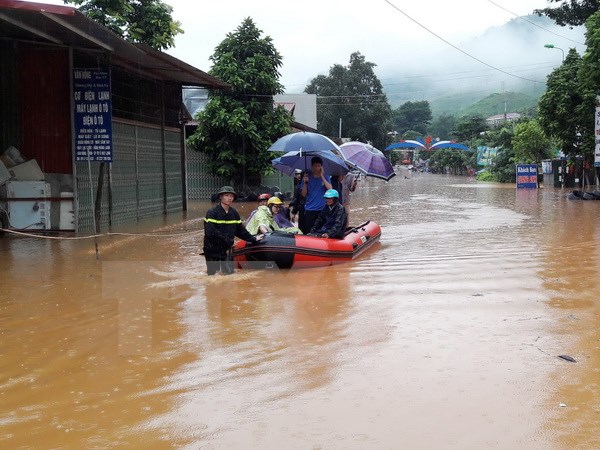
(66, 26)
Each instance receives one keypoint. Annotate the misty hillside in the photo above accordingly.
(473, 105)
(507, 63)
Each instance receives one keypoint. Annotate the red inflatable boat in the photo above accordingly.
(287, 250)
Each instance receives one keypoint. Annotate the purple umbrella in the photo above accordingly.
(367, 159)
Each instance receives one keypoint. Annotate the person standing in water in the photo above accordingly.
(222, 225)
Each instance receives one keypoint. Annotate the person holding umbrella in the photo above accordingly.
(348, 182)
(221, 225)
(314, 186)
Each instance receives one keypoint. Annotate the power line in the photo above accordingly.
(522, 68)
(533, 23)
(456, 47)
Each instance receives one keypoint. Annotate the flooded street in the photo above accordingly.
(446, 334)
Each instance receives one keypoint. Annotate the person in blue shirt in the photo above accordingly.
(314, 186)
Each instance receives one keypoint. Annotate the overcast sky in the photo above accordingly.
(313, 35)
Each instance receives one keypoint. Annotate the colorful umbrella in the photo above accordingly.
(332, 163)
(368, 160)
(421, 146)
(303, 140)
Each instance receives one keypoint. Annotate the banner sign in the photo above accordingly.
(92, 115)
(486, 155)
(527, 176)
(597, 133)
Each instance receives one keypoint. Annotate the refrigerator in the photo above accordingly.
(26, 204)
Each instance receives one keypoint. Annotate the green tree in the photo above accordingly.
(442, 126)
(354, 95)
(450, 160)
(142, 21)
(559, 112)
(412, 135)
(469, 130)
(589, 86)
(570, 12)
(237, 126)
(530, 144)
(501, 136)
(503, 167)
(412, 116)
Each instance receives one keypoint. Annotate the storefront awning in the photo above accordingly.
(65, 26)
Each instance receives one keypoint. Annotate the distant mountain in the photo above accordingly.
(493, 104)
(507, 63)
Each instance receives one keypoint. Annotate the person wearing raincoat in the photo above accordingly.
(221, 225)
(264, 221)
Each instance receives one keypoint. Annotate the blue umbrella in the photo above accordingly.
(332, 164)
(303, 140)
(277, 164)
(406, 144)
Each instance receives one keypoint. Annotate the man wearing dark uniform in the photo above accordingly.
(221, 225)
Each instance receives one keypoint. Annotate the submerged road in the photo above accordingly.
(445, 335)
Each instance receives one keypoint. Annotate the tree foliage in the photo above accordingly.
(469, 129)
(589, 87)
(354, 95)
(570, 12)
(530, 144)
(442, 126)
(142, 21)
(501, 136)
(412, 116)
(503, 167)
(450, 160)
(559, 105)
(237, 126)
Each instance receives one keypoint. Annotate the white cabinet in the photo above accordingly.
(26, 204)
(67, 213)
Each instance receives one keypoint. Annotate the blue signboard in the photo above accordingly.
(527, 176)
(92, 115)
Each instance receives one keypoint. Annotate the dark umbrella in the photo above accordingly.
(332, 163)
(368, 160)
(277, 164)
(303, 140)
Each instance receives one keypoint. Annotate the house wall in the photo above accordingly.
(143, 180)
(9, 106)
(305, 110)
(139, 187)
(200, 184)
(45, 107)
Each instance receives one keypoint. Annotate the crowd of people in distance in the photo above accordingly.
(320, 206)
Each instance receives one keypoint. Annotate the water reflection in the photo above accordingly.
(570, 276)
(454, 320)
(292, 321)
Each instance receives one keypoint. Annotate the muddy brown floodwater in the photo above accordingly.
(445, 335)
